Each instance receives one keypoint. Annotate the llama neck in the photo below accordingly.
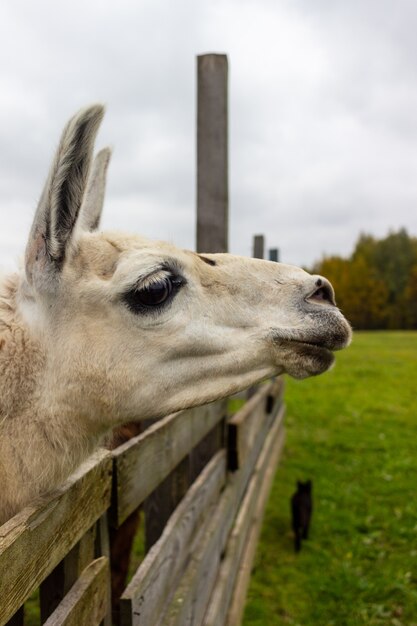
(38, 451)
(41, 443)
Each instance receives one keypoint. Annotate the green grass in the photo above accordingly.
(354, 432)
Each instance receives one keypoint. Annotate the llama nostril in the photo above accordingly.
(324, 292)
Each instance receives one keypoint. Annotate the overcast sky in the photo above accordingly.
(323, 114)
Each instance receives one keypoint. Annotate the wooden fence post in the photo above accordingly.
(258, 246)
(274, 255)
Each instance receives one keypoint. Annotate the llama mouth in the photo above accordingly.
(335, 341)
(337, 336)
(320, 351)
(301, 358)
(316, 345)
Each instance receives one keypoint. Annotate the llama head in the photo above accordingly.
(133, 328)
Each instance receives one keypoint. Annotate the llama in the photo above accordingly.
(99, 328)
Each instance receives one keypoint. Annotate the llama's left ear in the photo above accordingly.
(92, 206)
(60, 203)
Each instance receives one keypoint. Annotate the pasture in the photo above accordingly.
(354, 432)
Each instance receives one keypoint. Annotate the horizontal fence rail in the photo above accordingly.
(196, 569)
(142, 463)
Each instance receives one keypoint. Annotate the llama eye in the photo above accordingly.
(154, 295)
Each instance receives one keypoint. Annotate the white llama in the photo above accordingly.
(102, 328)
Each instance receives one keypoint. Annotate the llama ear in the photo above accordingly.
(61, 198)
(92, 205)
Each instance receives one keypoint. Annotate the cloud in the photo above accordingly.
(323, 115)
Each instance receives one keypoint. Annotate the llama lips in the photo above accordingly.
(321, 353)
(330, 332)
(302, 359)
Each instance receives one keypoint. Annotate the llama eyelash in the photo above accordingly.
(167, 269)
(159, 276)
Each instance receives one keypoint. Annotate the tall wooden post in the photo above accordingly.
(258, 246)
(212, 153)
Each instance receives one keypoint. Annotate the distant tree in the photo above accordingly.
(360, 294)
(410, 299)
(392, 259)
(377, 286)
(366, 247)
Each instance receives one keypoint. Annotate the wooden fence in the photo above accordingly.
(197, 571)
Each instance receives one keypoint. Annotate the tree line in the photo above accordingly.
(376, 287)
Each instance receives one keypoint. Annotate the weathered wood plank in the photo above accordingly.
(151, 587)
(102, 548)
(245, 425)
(190, 601)
(243, 475)
(242, 579)
(248, 516)
(60, 580)
(142, 463)
(87, 600)
(220, 598)
(159, 506)
(38, 538)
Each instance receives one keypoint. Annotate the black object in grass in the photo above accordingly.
(301, 509)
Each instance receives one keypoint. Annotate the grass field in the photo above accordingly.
(354, 432)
